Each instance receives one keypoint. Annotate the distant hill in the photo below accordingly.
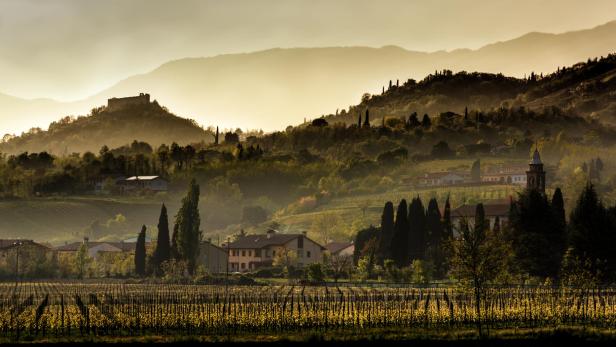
(275, 88)
(150, 123)
(585, 89)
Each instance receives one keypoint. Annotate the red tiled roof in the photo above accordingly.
(265, 240)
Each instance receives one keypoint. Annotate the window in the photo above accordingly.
(307, 254)
(250, 253)
(300, 242)
(243, 266)
(243, 253)
(273, 253)
(258, 253)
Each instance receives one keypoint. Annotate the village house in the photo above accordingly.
(437, 179)
(506, 174)
(250, 252)
(144, 183)
(97, 250)
(214, 259)
(340, 248)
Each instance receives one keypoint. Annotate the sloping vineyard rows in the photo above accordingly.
(63, 309)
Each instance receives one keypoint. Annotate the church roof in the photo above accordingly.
(536, 158)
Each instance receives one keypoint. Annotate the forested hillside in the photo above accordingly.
(585, 89)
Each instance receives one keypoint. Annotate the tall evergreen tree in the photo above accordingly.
(162, 252)
(399, 243)
(536, 245)
(436, 237)
(426, 122)
(592, 232)
(476, 171)
(140, 253)
(367, 120)
(418, 229)
(216, 138)
(187, 222)
(387, 231)
(359, 121)
(433, 223)
(447, 226)
(481, 224)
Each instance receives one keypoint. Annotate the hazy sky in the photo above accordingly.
(69, 49)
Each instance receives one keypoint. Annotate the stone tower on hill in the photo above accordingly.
(115, 104)
(535, 176)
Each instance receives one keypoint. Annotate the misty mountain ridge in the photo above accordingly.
(273, 88)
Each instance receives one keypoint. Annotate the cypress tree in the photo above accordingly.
(387, 231)
(367, 120)
(592, 234)
(433, 222)
(359, 121)
(216, 137)
(162, 252)
(536, 246)
(558, 206)
(187, 221)
(140, 253)
(436, 238)
(447, 226)
(426, 122)
(481, 225)
(399, 242)
(417, 230)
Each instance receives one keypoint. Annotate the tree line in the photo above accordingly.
(536, 241)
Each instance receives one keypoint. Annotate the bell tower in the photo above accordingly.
(535, 176)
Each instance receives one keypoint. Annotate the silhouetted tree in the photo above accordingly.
(399, 242)
(387, 231)
(418, 230)
(187, 223)
(140, 253)
(162, 252)
(426, 122)
(592, 232)
(367, 119)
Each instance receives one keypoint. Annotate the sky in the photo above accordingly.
(70, 49)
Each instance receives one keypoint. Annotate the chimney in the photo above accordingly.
(270, 233)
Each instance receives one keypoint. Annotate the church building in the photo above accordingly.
(535, 176)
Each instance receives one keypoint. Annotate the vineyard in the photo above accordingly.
(33, 310)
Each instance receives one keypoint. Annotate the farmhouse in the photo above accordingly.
(148, 183)
(250, 252)
(97, 249)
